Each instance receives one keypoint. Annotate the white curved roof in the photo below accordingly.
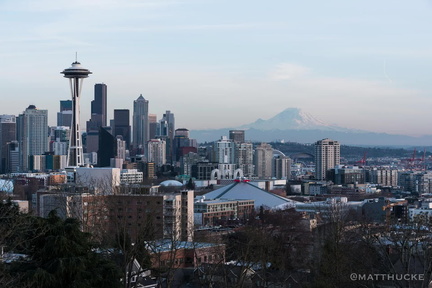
(174, 183)
(244, 190)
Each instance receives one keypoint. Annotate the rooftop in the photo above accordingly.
(247, 191)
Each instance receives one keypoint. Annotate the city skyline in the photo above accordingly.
(365, 63)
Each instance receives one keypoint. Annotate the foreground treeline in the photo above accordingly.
(50, 252)
(343, 250)
(272, 249)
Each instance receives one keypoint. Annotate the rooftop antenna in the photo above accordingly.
(76, 56)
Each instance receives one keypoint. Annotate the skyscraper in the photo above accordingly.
(263, 160)
(327, 156)
(141, 125)
(98, 108)
(59, 139)
(64, 117)
(166, 131)
(32, 134)
(107, 147)
(153, 125)
(238, 136)
(183, 144)
(282, 167)
(244, 160)
(224, 151)
(7, 134)
(99, 104)
(12, 157)
(122, 125)
(75, 74)
(156, 152)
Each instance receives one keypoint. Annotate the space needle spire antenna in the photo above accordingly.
(76, 74)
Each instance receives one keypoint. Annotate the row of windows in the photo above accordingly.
(209, 258)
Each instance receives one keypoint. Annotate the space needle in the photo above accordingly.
(76, 75)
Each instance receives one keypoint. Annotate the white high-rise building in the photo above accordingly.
(60, 148)
(224, 151)
(244, 158)
(157, 152)
(327, 156)
(32, 128)
(282, 167)
(121, 148)
(59, 142)
(263, 161)
(141, 125)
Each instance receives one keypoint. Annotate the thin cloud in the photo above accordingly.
(233, 26)
(55, 5)
(288, 71)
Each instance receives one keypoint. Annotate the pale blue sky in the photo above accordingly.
(359, 64)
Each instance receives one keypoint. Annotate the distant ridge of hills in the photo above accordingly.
(294, 125)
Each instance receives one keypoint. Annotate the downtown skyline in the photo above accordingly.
(358, 65)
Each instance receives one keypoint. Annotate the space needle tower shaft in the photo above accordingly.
(76, 75)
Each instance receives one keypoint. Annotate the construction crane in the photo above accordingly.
(414, 162)
(363, 160)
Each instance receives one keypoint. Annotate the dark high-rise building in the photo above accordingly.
(7, 134)
(141, 125)
(107, 147)
(183, 144)
(99, 104)
(153, 125)
(238, 136)
(98, 108)
(98, 117)
(65, 105)
(122, 125)
(166, 131)
(64, 117)
(12, 157)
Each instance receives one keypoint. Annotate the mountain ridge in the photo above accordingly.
(293, 118)
(294, 125)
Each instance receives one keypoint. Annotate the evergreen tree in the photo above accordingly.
(61, 255)
(191, 184)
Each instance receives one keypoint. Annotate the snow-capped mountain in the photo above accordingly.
(292, 119)
(294, 125)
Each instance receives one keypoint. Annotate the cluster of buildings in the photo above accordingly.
(98, 176)
(331, 175)
(28, 144)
